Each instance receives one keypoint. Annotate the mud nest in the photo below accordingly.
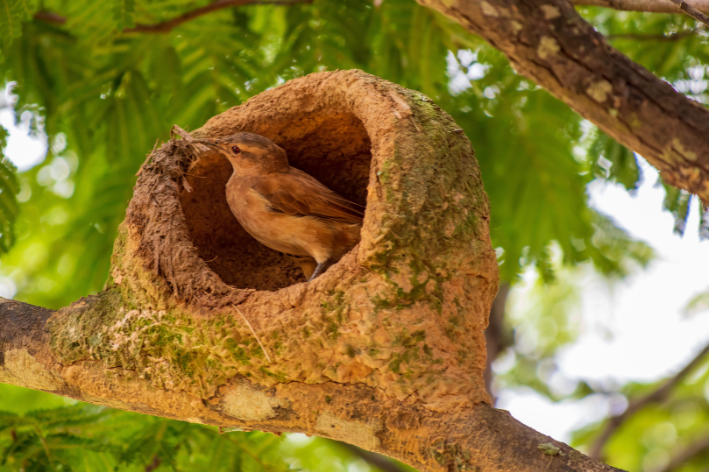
(332, 147)
(339, 127)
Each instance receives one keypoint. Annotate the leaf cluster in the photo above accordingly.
(82, 437)
(109, 94)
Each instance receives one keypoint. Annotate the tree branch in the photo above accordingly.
(651, 6)
(654, 37)
(169, 25)
(688, 453)
(497, 339)
(547, 41)
(479, 438)
(656, 396)
(372, 458)
(691, 11)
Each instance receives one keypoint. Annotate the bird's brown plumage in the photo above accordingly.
(284, 208)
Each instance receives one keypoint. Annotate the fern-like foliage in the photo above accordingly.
(88, 438)
(9, 187)
(12, 14)
(123, 13)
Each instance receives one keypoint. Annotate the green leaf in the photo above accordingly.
(677, 202)
(10, 21)
(9, 187)
(26, 8)
(613, 161)
(703, 222)
(123, 14)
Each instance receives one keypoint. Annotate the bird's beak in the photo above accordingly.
(207, 142)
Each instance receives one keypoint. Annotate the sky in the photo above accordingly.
(635, 330)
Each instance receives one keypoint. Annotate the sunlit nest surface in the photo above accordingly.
(333, 148)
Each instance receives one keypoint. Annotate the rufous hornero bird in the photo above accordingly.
(284, 208)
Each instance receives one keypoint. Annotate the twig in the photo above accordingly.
(654, 37)
(180, 132)
(691, 11)
(651, 6)
(169, 25)
(688, 453)
(49, 17)
(656, 396)
(153, 465)
(254, 333)
(251, 454)
(46, 447)
(372, 458)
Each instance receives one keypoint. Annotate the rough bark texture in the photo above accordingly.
(547, 41)
(385, 350)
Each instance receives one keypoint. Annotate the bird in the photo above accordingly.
(285, 208)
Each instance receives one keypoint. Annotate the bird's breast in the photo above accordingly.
(296, 235)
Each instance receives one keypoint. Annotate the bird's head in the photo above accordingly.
(249, 153)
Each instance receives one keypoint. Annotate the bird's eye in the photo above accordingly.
(235, 149)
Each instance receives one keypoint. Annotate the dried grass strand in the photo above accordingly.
(254, 333)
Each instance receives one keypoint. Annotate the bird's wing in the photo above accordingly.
(297, 193)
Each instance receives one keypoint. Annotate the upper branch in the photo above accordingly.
(691, 11)
(656, 396)
(549, 42)
(690, 452)
(169, 25)
(652, 6)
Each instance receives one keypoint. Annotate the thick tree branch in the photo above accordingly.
(651, 6)
(478, 438)
(169, 25)
(547, 41)
(656, 396)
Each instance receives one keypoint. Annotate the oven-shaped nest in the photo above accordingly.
(409, 302)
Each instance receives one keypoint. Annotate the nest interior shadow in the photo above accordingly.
(335, 149)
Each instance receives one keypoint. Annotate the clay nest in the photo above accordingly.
(333, 126)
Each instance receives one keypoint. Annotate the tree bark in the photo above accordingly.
(385, 350)
(547, 41)
(479, 438)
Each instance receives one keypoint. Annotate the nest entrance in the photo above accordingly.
(334, 149)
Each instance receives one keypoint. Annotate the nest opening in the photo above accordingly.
(334, 149)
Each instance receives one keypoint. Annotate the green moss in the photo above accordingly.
(328, 399)
(198, 355)
(549, 449)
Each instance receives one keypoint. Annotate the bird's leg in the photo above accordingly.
(322, 267)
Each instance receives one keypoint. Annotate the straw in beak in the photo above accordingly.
(207, 142)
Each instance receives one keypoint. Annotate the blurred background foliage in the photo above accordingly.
(102, 87)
